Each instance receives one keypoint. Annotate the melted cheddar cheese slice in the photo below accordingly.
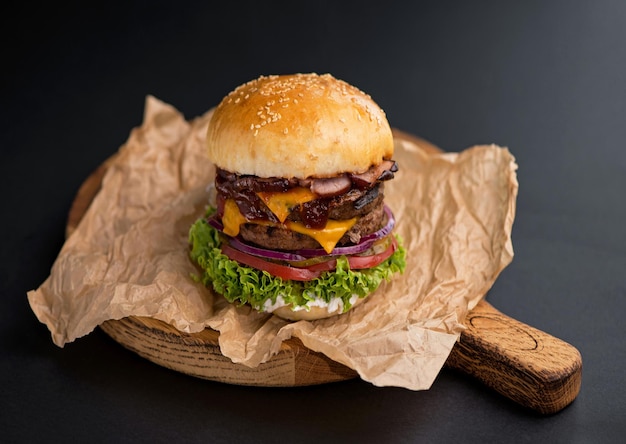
(232, 218)
(327, 237)
(281, 203)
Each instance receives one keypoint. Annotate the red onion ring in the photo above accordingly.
(304, 254)
(215, 223)
(264, 252)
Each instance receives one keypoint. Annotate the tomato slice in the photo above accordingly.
(358, 262)
(329, 265)
(281, 271)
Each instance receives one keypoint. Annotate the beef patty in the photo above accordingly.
(276, 238)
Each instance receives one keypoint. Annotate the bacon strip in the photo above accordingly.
(382, 171)
(244, 188)
(333, 186)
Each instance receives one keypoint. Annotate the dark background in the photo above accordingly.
(545, 78)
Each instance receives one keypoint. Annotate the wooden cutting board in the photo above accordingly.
(522, 363)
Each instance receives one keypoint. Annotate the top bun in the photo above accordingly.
(301, 125)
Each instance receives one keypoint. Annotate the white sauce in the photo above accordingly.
(335, 304)
(269, 307)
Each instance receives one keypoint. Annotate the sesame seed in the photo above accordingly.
(272, 93)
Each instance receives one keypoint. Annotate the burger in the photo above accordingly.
(297, 225)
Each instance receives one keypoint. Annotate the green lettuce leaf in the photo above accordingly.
(241, 284)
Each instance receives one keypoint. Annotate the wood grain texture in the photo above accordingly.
(522, 363)
(198, 354)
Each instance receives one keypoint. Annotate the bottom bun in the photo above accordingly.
(313, 313)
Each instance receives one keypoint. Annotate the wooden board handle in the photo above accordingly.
(522, 363)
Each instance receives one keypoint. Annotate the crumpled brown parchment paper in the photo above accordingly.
(129, 257)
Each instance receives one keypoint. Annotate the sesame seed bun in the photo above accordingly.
(301, 125)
